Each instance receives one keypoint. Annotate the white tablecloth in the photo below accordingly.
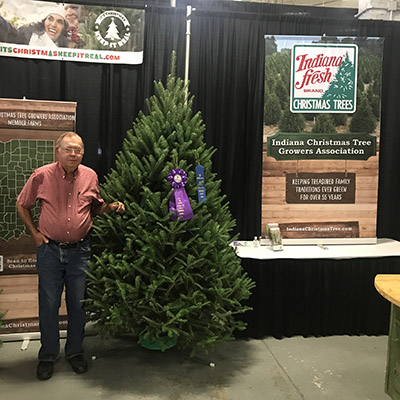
(383, 248)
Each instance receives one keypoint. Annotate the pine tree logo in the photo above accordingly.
(342, 85)
(112, 29)
(323, 78)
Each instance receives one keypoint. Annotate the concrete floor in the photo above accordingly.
(334, 368)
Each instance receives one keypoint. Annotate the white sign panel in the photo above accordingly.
(323, 78)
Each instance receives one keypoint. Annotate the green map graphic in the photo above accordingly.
(18, 159)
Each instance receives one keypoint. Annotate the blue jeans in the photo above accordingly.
(57, 267)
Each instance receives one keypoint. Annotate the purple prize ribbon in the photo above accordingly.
(179, 202)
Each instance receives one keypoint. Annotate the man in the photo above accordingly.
(69, 197)
(72, 13)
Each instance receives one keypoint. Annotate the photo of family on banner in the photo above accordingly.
(71, 32)
(321, 137)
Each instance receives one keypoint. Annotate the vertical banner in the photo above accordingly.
(28, 131)
(321, 137)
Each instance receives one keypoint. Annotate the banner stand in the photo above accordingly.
(28, 132)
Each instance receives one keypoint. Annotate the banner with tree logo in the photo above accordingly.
(71, 32)
(321, 137)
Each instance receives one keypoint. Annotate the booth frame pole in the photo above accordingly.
(187, 53)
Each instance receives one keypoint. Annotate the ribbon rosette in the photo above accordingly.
(179, 201)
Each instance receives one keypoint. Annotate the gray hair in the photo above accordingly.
(68, 134)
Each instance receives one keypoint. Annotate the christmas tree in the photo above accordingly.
(272, 109)
(162, 278)
(292, 122)
(324, 123)
(363, 119)
(339, 118)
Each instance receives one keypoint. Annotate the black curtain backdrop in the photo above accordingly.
(227, 80)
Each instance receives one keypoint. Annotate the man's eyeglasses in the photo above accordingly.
(70, 150)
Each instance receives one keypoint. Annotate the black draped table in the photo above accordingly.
(318, 291)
